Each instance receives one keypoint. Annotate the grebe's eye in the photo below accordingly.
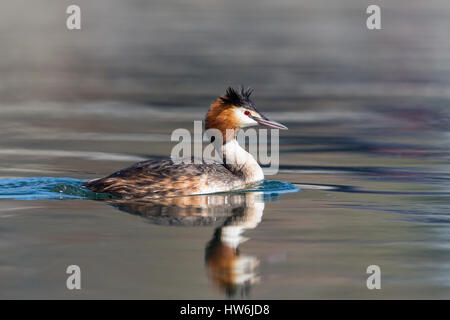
(247, 113)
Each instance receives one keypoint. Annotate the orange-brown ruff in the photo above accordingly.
(156, 179)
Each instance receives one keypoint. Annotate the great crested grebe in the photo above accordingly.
(156, 179)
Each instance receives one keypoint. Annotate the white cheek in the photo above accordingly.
(244, 121)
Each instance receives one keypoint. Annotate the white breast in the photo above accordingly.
(240, 161)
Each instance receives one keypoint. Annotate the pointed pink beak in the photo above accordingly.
(269, 123)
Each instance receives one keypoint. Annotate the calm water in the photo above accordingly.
(367, 147)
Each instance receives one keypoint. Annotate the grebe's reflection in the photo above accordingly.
(228, 270)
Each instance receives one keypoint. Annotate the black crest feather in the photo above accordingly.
(241, 99)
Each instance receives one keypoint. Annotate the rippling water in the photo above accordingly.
(49, 188)
(367, 146)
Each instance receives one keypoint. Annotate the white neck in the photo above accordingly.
(241, 162)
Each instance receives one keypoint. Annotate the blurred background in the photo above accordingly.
(168, 53)
(368, 112)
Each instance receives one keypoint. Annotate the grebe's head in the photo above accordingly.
(234, 111)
